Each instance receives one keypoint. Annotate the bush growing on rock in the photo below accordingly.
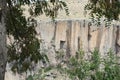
(93, 68)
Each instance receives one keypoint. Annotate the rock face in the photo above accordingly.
(72, 35)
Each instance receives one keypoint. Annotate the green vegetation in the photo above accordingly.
(24, 48)
(107, 9)
(94, 67)
(23, 51)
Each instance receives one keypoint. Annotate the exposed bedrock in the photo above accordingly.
(73, 35)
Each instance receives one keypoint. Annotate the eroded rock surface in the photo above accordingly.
(73, 35)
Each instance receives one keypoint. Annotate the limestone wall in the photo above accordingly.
(80, 34)
(72, 35)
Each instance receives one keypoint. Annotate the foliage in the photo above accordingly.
(24, 48)
(40, 75)
(106, 9)
(50, 9)
(78, 66)
(81, 68)
(96, 68)
(52, 73)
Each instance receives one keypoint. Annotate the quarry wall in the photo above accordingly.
(73, 35)
(70, 33)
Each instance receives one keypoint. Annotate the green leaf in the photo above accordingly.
(30, 77)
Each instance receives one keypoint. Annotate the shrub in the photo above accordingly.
(81, 68)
